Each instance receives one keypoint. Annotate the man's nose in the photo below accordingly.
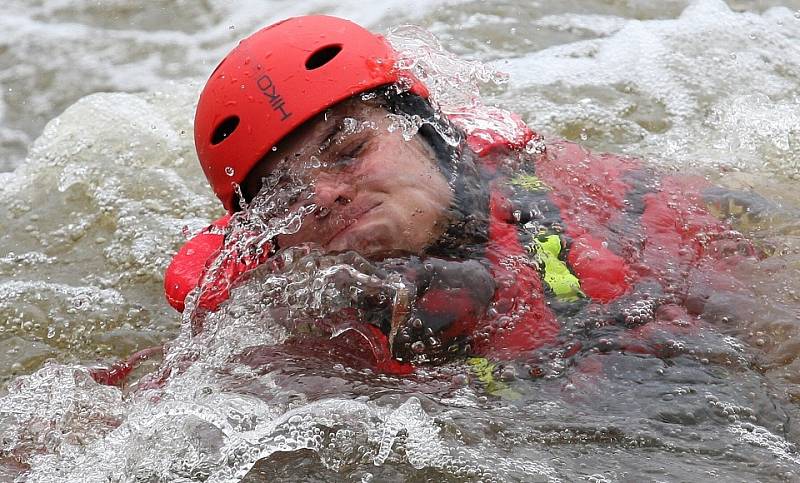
(330, 191)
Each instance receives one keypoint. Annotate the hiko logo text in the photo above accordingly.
(277, 102)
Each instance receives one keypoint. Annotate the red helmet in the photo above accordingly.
(277, 79)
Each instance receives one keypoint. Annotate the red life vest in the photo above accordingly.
(590, 192)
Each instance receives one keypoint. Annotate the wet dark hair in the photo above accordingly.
(467, 231)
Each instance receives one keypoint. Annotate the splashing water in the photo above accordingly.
(454, 88)
(246, 398)
(452, 81)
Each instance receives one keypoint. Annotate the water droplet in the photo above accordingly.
(508, 374)
(535, 146)
(323, 212)
(460, 380)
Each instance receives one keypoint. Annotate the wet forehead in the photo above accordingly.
(319, 135)
(316, 137)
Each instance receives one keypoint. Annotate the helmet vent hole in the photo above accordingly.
(322, 56)
(224, 129)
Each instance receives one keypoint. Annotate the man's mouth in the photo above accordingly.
(350, 218)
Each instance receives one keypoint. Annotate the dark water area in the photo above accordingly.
(700, 414)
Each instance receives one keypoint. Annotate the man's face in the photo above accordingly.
(375, 193)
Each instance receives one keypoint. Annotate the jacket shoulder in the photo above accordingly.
(189, 264)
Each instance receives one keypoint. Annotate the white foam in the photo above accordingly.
(56, 52)
(691, 68)
(600, 25)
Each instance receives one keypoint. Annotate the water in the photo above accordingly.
(101, 196)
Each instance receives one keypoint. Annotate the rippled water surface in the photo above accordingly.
(100, 186)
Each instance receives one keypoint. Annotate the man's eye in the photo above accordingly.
(344, 162)
(349, 157)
